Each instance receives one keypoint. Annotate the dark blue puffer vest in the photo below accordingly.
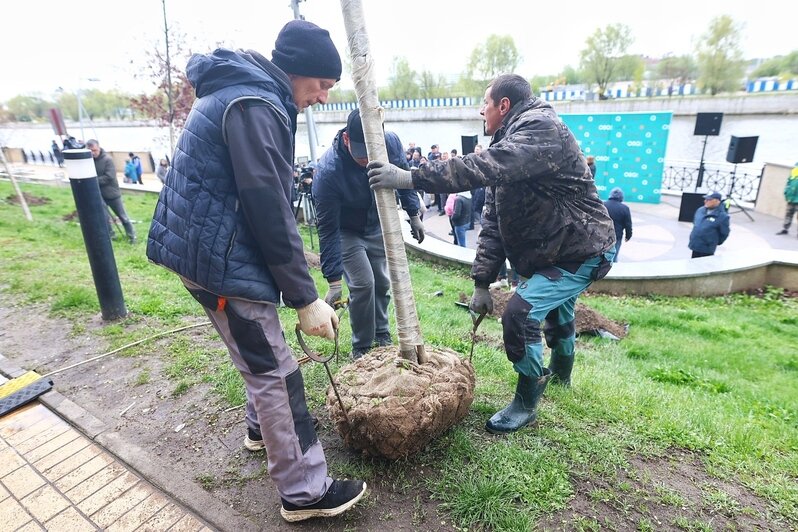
(198, 230)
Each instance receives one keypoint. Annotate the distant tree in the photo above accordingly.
(720, 57)
(790, 64)
(498, 55)
(109, 105)
(68, 103)
(339, 95)
(630, 67)
(603, 54)
(402, 82)
(27, 108)
(468, 87)
(173, 95)
(678, 69)
(572, 76)
(432, 86)
(780, 66)
(768, 68)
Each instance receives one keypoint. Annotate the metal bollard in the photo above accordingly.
(93, 218)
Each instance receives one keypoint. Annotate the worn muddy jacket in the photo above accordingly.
(541, 204)
(224, 218)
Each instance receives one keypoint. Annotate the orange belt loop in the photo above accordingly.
(220, 303)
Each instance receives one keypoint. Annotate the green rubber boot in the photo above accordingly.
(522, 411)
(561, 366)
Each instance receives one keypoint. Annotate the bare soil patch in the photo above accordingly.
(194, 435)
(30, 199)
(313, 260)
(588, 321)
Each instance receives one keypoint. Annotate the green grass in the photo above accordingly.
(716, 376)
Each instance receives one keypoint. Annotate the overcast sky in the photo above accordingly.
(49, 44)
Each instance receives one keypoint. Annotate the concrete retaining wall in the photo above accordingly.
(708, 276)
(742, 104)
(771, 190)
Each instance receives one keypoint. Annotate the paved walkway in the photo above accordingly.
(658, 235)
(54, 478)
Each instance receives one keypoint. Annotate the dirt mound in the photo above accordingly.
(395, 408)
(313, 260)
(588, 321)
(29, 199)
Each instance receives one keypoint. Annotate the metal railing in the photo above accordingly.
(742, 184)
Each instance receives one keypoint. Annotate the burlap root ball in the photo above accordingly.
(395, 407)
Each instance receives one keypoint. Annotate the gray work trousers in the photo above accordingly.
(275, 389)
(366, 274)
(118, 208)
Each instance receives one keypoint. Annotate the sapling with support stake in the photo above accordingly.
(396, 403)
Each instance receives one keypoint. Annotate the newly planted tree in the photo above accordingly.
(395, 404)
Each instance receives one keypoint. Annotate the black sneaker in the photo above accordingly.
(341, 496)
(358, 352)
(254, 441)
(383, 340)
(782, 232)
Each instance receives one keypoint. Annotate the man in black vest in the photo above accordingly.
(224, 223)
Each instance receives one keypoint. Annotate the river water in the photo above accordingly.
(777, 134)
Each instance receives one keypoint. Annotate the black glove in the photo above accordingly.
(481, 302)
(387, 175)
(417, 228)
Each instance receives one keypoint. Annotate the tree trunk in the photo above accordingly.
(411, 343)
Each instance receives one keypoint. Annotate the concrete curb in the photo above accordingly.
(196, 500)
(709, 276)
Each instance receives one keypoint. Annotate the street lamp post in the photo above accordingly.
(80, 110)
(311, 124)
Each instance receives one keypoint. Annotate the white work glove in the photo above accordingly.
(334, 293)
(318, 319)
(387, 175)
(481, 302)
(417, 228)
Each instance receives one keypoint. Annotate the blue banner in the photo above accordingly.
(629, 149)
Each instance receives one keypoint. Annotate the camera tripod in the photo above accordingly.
(731, 196)
(305, 203)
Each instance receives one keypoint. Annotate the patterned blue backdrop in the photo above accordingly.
(629, 149)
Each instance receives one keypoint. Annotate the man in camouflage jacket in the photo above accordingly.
(542, 212)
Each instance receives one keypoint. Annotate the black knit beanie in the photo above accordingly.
(304, 49)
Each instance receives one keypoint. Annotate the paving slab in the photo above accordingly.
(53, 477)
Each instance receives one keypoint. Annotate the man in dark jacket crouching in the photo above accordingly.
(224, 224)
(350, 234)
(542, 212)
